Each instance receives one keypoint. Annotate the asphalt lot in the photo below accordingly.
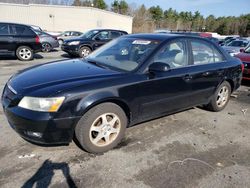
(194, 148)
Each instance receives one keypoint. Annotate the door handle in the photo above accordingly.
(206, 73)
(220, 71)
(187, 77)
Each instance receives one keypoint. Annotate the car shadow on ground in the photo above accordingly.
(246, 83)
(42, 178)
(36, 56)
(65, 55)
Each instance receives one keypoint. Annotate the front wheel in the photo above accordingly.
(221, 97)
(84, 51)
(101, 128)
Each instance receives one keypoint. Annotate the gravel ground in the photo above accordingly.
(194, 148)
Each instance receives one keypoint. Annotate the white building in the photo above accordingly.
(62, 18)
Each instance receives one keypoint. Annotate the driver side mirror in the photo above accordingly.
(97, 38)
(158, 67)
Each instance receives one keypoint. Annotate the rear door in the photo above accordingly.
(5, 39)
(23, 35)
(207, 70)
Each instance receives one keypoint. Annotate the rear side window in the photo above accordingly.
(21, 30)
(204, 53)
(4, 29)
(114, 34)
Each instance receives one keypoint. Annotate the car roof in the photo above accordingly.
(107, 30)
(159, 36)
(15, 24)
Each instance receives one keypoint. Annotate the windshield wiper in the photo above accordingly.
(96, 63)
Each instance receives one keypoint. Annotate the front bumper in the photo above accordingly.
(71, 49)
(37, 127)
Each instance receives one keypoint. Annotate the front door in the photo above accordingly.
(165, 92)
(101, 38)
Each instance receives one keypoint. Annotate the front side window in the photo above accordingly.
(204, 53)
(123, 54)
(103, 35)
(89, 34)
(174, 54)
(4, 29)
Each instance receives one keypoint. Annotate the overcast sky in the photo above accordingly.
(206, 7)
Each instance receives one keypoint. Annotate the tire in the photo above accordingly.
(46, 47)
(84, 51)
(220, 98)
(93, 135)
(60, 41)
(24, 53)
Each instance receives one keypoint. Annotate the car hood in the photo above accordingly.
(245, 57)
(61, 73)
(232, 48)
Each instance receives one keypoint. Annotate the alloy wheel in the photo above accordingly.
(222, 96)
(105, 129)
(25, 53)
(85, 52)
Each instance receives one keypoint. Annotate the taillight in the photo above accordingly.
(242, 67)
(37, 39)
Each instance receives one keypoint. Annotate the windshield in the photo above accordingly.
(89, 34)
(247, 50)
(124, 54)
(238, 43)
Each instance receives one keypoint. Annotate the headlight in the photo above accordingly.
(41, 104)
(74, 43)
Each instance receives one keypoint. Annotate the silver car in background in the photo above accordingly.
(235, 46)
(67, 35)
(48, 41)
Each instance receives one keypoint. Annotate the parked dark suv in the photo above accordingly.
(18, 40)
(89, 41)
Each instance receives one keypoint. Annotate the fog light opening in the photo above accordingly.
(34, 134)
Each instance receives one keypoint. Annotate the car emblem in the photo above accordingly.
(12, 89)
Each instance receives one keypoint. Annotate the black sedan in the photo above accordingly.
(90, 41)
(130, 80)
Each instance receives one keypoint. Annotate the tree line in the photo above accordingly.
(152, 18)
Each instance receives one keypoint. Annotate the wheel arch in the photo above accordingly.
(86, 45)
(21, 44)
(89, 102)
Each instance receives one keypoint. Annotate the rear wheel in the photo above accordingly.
(24, 53)
(101, 128)
(221, 97)
(46, 47)
(84, 51)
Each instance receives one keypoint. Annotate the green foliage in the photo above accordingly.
(156, 13)
(120, 7)
(86, 3)
(100, 4)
